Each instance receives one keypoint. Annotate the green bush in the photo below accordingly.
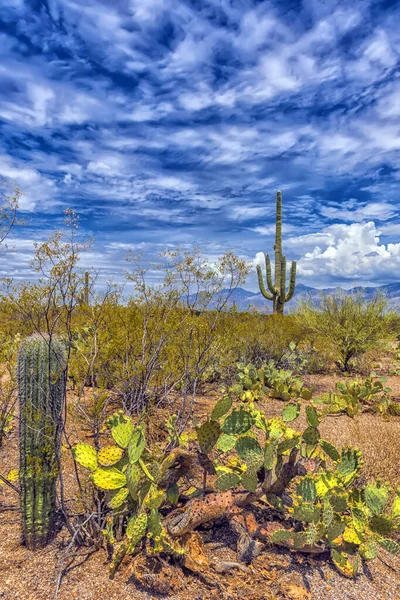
(346, 325)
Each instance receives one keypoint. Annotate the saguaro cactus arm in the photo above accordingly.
(263, 289)
(292, 282)
(268, 271)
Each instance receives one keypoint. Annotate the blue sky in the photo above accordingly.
(173, 122)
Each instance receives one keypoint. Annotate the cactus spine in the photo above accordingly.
(41, 390)
(277, 290)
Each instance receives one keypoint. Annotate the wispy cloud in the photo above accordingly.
(174, 122)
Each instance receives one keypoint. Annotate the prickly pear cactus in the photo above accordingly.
(226, 481)
(86, 456)
(109, 479)
(313, 484)
(108, 456)
(208, 435)
(123, 431)
(237, 422)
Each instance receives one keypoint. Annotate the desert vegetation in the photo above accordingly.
(155, 428)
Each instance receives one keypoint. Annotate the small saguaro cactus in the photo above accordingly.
(41, 391)
(277, 290)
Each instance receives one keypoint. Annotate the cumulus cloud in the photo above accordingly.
(347, 252)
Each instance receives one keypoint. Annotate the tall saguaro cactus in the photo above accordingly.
(277, 290)
(41, 390)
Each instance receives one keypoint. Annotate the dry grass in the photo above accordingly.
(378, 439)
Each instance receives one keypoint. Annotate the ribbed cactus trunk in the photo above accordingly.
(277, 290)
(41, 390)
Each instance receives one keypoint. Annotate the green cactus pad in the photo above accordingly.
(207, 435)
(327, 513)
(221, 408)
(122, 432)
(349, 463)
(276, 429)
(118, 498)
(270, 456)
(330, 450)
(343, 565)
(173, 494)
(338, 501)
(396, 507)
(136, 528)
(306, 394)
(136, 445)
(171, 547)
(359, 518)
(313, 418)
(325, 482)
(376, 497)
(154, 525)
(311, 436)
(250, 480)
(289, 442)
(290, 412)
(369, 549)
(351, 536)
(394, 409)
(133, 475)
(306, 489)
(247, 383)
(391, 546)
(307, 512)
(300, 539)
(280, 535)
(335, 530)
(249, 449)
(313, 533)
(237, 423)
(109, 455)
(381, 524)
(109, 479)
(226, 481)
(226, 442)
(85, 455)
(154, 498)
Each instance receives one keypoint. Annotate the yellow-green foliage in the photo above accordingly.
(344, 326)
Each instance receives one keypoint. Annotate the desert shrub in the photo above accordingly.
(346, 325)
(169, 337)
(257, 338)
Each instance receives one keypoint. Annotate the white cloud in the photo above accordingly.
(351, 252)
(37, 190)
(270, 229)
(356, 212)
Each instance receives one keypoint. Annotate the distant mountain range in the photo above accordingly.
(246, 300)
